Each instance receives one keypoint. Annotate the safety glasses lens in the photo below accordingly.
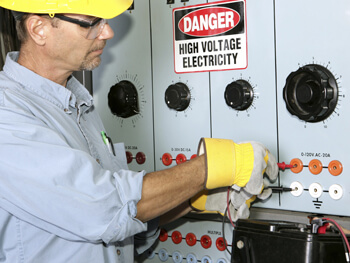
(96, 30)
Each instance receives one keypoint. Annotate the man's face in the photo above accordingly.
(71, 47)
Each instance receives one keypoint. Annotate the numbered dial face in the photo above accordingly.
(239, 95)
(311, 93)
(123, 99)
(177, 96)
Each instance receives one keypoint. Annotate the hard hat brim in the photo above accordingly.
(99, 8)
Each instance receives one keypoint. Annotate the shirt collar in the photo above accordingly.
(79, 92)
(45, 88)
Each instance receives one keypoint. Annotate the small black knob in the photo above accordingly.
(239, 95)
(311, 93)
(177, 96)
(123, 99)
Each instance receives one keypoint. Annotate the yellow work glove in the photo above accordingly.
(241, 165)
(215, 201)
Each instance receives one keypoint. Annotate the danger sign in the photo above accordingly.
(210, 37)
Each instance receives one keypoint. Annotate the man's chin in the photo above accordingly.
(90, 65)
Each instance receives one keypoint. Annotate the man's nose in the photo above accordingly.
(107, 32)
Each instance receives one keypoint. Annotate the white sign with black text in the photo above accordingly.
(210, 37)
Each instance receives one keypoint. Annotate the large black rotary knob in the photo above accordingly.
(177, 96)
(123, 99)
(239, 95)
(311, 93)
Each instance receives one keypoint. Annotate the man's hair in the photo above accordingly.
(22, 32)
(21, 28)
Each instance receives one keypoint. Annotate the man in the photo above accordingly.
(63, 196)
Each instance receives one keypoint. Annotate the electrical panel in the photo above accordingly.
(254, 117)
(124, 79)
(293, 95)
(181, 102)
(192, 240)
(312, 79)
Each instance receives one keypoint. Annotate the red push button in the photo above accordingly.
(140, 158)
(220, 244)
(191, 239)
(176, 237)
(206, 241)
(167, 159)
(163, 235)
(128, 156)
(181, 158)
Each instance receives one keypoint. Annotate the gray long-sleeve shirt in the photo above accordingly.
(63, 196)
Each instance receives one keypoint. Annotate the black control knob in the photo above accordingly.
(123, 99)
(239, 95)
(311, 93)
(177, 96)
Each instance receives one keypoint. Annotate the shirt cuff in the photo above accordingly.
(146, 239)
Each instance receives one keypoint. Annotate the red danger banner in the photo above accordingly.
(210, 37)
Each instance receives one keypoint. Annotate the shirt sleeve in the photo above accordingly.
(62, 190)
(145, 240)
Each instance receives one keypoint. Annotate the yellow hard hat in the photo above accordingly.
(100, 8)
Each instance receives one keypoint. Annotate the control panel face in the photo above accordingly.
(312, 79)
(122, 86)
(189, 240)
(181, 101)
(292, 96)
(243, 102)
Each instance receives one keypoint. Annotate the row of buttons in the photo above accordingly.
(315, 166)
(167, 158)
(191, 239)
(140, 157)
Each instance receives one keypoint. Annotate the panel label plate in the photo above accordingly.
(210, 37)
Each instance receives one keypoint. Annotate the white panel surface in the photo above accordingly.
(259, 121)
(128, 57)
(175, 132)
(314, 32)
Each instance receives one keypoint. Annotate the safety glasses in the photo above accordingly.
(94, 27)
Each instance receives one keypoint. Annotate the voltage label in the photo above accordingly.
(210, 37)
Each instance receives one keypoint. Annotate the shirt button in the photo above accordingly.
(118, 252)
(98, 160)
(65, 110)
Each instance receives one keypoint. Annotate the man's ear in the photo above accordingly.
(37, 29)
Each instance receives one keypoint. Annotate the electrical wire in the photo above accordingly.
(228, 206)
(223, 231)
(343, 236)
(227, 214)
